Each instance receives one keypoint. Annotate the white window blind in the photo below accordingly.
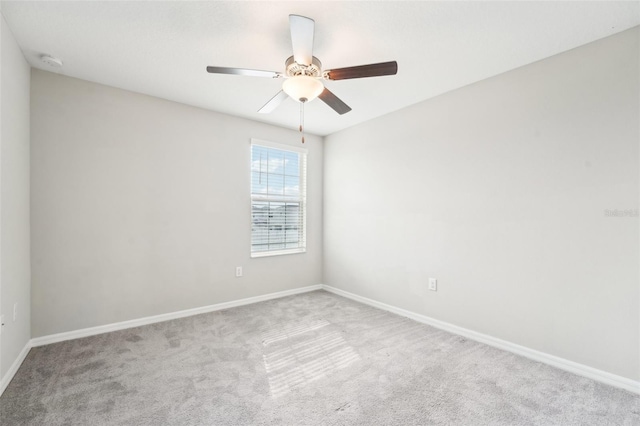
(278, 199)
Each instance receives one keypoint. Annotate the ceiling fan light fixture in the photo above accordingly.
(303, 88)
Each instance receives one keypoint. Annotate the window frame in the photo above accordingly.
(302, 200)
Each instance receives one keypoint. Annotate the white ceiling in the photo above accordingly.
(162, 48)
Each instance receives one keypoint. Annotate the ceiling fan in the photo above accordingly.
(303, 71)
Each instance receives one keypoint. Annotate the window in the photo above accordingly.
(278, 199)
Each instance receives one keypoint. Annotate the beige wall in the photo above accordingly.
(499, 190)
(14, 200)
(141, 206)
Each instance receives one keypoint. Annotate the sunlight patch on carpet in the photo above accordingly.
(288, 332)
(314, 354)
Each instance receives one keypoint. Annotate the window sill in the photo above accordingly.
(277, 252)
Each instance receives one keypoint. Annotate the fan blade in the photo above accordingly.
(273, 102)
(242, 71)
(371, 70)
(334, 102)
(302, 38)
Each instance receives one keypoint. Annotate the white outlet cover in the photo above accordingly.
(433, 284)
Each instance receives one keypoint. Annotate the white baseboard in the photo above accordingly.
(14, 367)
(92, 331)
(561, 363)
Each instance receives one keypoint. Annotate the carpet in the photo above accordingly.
(309, 359)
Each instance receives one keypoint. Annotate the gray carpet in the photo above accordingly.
(310, 359)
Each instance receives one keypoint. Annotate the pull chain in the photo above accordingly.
(302, 102)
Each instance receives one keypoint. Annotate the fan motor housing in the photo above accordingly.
(293, 68)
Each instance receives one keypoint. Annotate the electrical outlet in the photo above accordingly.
(433, 284)
(238, 271)
(15, 311)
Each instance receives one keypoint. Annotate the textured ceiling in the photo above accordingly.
(162, 48)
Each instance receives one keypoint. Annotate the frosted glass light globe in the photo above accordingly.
(302, 88)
